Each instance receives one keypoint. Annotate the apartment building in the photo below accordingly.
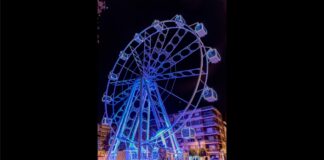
(103, 137)
(210, 133)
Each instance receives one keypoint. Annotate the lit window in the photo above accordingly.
(212, 147)
(209, 130)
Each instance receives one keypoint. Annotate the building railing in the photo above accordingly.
(208, 107)
(212, 132)
(208, 114)
(200, 133)
(210, 123)
(212, 150)
(213, 140)
(196, 124)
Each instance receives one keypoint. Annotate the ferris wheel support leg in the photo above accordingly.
(112, 156)
(134, 131)
(155, 114)
(112, 152)
(175, 146)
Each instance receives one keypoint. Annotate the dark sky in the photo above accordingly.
(124, 18)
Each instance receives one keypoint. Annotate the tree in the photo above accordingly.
(192, 152)
(202, 152)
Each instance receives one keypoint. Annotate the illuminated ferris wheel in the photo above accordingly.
(163, 67)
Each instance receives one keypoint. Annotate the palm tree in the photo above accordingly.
(192, 152)
(202, 152)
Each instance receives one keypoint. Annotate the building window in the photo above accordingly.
(211, 138)
(209, 120)
(212, 147)
(207, 113)
(197, 122)
(210, 130)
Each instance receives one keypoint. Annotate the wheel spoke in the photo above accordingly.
(157, 49)
(200, 90)
(123, 82)
(128, 69)
(121, 96)
(179, 74)
(178, 97)
(178, 57)
(136, 67)
(147, 51)
(171, 44)
(119, 110)
(137, 59)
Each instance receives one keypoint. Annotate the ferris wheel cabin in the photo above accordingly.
(138, 38)
(179, 20)
(201, 30)
(213, 55)
(210, 94)
(113, 76)
(124, 56)
(157, 25)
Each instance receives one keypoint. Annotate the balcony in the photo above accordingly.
(209, 114)
(212, 141)
(208, 108)
(195, 124)
(200, 133)
(212, 132)
(210, 123)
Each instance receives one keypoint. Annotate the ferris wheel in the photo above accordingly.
(162, 69)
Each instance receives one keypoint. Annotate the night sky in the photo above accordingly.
(124, 18)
